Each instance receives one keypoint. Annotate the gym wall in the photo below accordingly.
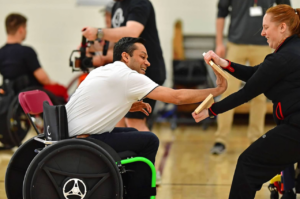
(54, 27)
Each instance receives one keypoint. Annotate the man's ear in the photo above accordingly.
(21, 29)
(125, 57)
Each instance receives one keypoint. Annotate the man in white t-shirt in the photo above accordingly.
(110, 91)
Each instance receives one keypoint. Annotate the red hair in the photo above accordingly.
(286, 14)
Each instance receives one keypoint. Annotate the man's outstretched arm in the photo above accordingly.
(182, 96)
(187, 96)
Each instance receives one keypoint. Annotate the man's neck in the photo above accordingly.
(125, 63)
(12, 39)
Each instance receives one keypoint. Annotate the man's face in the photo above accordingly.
(139, 60)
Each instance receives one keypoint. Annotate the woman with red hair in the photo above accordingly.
(278, 77)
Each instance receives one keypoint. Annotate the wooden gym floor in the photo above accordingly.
(188, 169)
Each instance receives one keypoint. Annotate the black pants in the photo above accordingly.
(288, 177)
(266, 157)
(145, 144)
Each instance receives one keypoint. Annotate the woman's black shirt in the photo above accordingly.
(278, 77)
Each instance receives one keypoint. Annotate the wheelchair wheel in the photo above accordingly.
(18, 122)
(17, 167)
(73, 169)
(14, 124)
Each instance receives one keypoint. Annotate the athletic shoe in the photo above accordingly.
(218, 148)
(274, 192)
(288, 195)
(158, 178)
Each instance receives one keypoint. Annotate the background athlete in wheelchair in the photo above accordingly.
(21, 70)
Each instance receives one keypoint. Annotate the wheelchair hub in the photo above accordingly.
(74, 187)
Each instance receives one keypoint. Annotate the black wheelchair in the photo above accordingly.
(13, 122)
(52, 165)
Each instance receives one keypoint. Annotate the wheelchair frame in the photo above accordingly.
(125, 161)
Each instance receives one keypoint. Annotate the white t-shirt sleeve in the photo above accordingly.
(139, 86)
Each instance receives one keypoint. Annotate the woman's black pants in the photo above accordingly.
(262, 160)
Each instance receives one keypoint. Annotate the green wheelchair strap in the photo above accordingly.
(141, 159)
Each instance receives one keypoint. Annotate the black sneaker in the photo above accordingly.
(218, 148)
(288, 195)
(274, 192)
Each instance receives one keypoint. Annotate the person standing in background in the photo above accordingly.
(96, 49)
(245, 44)
(133, 18)
(107, 13)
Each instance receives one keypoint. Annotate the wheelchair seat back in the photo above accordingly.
(32, 101)
(55, 117)
(56, 128)
(55, 122)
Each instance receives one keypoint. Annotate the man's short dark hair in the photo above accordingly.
(13, 22)
(126, 44)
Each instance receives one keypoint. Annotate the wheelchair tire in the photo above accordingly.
(17, 123)
(73, 169)
(17, 168)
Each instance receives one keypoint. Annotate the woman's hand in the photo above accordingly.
(221, 82)
(212, 56)
(141, 106)
(200, 116)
